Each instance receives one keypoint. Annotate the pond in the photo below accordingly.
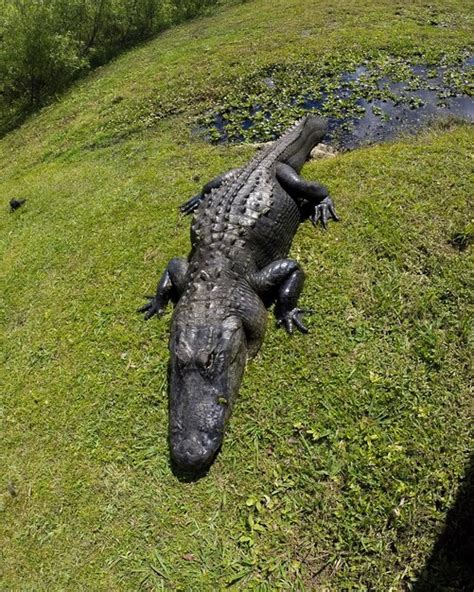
(369, 103)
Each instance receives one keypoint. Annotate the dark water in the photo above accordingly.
(408, 111)
(396, 107)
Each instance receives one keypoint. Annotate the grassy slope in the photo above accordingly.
(346, 446)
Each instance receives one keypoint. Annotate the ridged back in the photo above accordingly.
(294, 146)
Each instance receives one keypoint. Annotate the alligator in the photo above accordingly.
(243, 225)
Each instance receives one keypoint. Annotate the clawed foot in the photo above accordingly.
(191, 205)
(292, 319)
(152, 307)
(324, 211)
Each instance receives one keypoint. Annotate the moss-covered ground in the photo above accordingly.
(346, 446)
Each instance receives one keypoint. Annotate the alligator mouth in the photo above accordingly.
(193, 453)
(204, 375)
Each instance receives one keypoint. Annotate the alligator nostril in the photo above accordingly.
(192, 451)
(192, 448)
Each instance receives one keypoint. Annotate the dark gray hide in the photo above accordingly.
(244, 223)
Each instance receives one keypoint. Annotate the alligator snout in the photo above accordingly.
(205, 370)
(193, 451)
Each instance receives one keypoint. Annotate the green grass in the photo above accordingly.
(346, 446)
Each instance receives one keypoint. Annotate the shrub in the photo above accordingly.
(45, 44)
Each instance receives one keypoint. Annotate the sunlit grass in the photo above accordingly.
(345, 447)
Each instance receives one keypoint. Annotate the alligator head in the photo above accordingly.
(205, 371)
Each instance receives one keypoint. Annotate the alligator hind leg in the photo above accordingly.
(312, 198)
(170, 287)
(282, 282)
(189, 206)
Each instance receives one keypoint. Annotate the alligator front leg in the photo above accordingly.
(189, 206)
(170, 287)
(312, 198)
(282, 282)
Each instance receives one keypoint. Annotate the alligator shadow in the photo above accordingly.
(450, 568)
(187, 476)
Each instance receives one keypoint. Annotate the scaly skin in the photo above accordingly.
(244, 223)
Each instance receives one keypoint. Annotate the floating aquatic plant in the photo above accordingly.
(264, 104)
